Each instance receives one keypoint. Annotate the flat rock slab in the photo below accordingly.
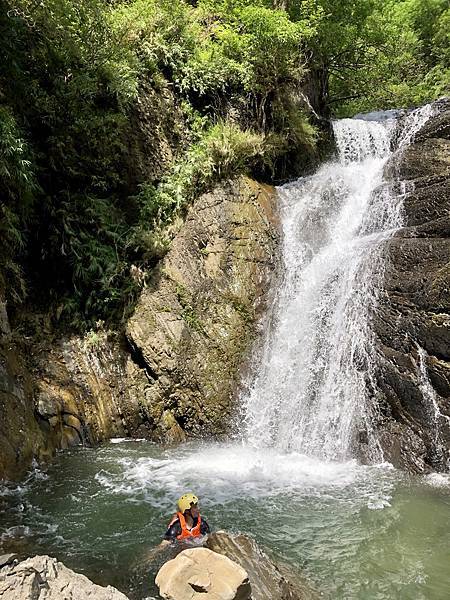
(44, 578)
(201, 573)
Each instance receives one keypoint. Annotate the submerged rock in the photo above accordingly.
(201, 573)
(7, 559)
(412, 323)
(44, 578)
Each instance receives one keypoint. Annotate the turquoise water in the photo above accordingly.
(357, 532)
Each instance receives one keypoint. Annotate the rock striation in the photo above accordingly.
(44, 578)
(175, 372)
(56, 393)
(412, 324)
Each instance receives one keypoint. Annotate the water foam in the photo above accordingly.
(439, 480)
(220, 472)
(121, 440)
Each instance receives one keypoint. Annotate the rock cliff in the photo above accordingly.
(194, 322)
(175, 371)
(412, 324)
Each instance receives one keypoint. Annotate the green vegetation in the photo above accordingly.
(17, 186)
(246, 311)
(188, 314)
(372, 54)
(115, 115)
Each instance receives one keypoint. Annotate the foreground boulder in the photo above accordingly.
(268, 579)
(44, 578)
(201, 573)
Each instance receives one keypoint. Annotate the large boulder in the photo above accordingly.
(412, 323)
(44, 578)
(267, 578)
(200, 573)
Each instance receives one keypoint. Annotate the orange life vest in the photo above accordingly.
(185, 532)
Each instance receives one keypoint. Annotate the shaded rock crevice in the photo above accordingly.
(138, 358)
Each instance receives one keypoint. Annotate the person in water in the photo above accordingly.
(186, 523)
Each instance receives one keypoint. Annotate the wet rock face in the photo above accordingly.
(57, 393)
(80, 393)
(44, 578)
(176, 372)
(413, 319)
(21, 438)
(196, 320)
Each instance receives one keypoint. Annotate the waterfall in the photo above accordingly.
(312, 389)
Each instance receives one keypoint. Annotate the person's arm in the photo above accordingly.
(153, 552)
(148, 556)
(173, 531)
(171, 534)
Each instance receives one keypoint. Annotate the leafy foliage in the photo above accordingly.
(369, 54)
(17, 186)
(80, 223)
(223, 150)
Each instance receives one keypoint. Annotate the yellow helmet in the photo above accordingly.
(184, 503)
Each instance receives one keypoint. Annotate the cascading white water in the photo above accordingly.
(310, 393)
